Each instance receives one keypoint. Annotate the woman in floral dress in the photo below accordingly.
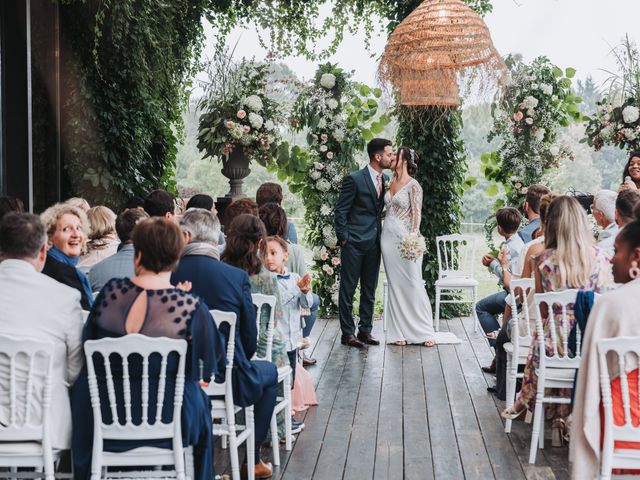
(571, 260)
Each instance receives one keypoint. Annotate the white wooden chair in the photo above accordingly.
(25, 441)
(456, 258)
(284, 377)
(223, 407)
(517, 349)
(625, 348)
(101, 354)
(85, 315)
(557, 370)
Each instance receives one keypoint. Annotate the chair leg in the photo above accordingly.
(224, 440)
(474, 315)
(233, 453)
(535, 432)
(287, 414)
(250, 443)
(275, 443)
(437, 309)
(511, 387)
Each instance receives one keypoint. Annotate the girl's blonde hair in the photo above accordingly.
(567, 232)
(102, 221)
(78, 202)
(52, 215)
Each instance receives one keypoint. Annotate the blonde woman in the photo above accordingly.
(103, 240)
(78, 202)
(571, 259)
(67, 229)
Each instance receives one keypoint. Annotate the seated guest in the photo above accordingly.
(275, 220)
(145, 304)
(54, 317)
(10, 204)
(134, 203)
(532, 211)
(66, 228)
(571, 260)
(227, 288)
(78, 202)
(616, 314)
(160, 203)
(119, 265)
(490, 307)
(103, 241)
(604, 213)
(238, 207)
(205, 201)
(270, 192)
(626, 203)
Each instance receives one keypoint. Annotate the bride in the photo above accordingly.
(409, 311)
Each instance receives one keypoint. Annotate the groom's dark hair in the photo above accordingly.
(377, 145)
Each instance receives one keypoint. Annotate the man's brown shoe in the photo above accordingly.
(262, 470)
(308, 361)
(491, 368)
(351, 341)
(368, 339)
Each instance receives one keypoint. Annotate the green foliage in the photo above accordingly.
(126, 89)
(434, 133)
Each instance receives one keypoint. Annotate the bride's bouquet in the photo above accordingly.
(412, 247)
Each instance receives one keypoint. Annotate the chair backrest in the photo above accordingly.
(560, 346)
(219, 389)
(456, 255)
(23, 391)
(627, 351)
(520, 321)
(124, 353)
(260, 300)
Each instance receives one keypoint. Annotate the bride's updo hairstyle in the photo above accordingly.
(245, 243)
(410, 156)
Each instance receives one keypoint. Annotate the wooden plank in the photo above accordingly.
(475, 460)
(362, 446)
(389, 443)
(520, 436)
(418, 464)
(504, 460)
(444, 445)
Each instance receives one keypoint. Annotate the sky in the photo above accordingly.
(571, 33)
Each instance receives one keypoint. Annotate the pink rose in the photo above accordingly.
(246, 129)
(518, 116)
(241, 114)
(328, 270)
(335, 261)
(230, 124)
(330, 155)
(517, 185)
(531, 112)
(324, 255)
(529, 121)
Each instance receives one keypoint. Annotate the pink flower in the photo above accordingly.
(330, 155)
(324, 255)
(230, 124)
(246, 129)
(328, 270)
(241, 114)
(518, 116)
(531, 112)
(524, 190)
(521, 106)
(517, 185)
(335, 261)
(529, 121)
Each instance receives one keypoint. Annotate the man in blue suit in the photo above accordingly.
(358, 219)
(227, 288)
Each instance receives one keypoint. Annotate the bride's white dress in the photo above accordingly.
(409, 315)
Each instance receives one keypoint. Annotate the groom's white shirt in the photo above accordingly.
(374, 176)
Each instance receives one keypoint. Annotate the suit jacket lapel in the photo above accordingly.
(368, 180)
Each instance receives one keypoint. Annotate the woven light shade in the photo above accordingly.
(438, 47)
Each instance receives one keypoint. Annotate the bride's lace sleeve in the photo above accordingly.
(415, 200)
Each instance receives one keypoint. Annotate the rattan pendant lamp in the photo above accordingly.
(440, 47)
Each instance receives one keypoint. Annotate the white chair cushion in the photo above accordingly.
(561, 374)
(456, 282)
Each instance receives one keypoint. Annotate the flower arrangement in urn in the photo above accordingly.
(237, 112)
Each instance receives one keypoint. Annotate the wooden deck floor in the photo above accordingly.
(412, 412)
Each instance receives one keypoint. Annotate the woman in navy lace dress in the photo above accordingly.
(148, 304)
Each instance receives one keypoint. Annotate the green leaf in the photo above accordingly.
(367, 135)
(492, 190)
(377, 127)
(557, 72)
(570, 72)
(377, 92)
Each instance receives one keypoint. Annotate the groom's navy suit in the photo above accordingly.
(359, 223)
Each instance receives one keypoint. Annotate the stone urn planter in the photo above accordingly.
(236, 168)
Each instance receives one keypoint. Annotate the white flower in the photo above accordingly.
(534, 86)
(554, 150)
(530, 102)
(325, 209)
(338, 135)
(318, 166)
(337, 180)
(606, 118)
(554, 98)
(328, 81)
(315, 175)
(332, 103)
(529, 121)
(323, 185)
(607, 132)
(256, 120)
(539, 134)
(330, 155)
(629, 134)
(335, 297)
(322, 123)
(546, 88)
(323, 148)
(236, 131)
(324, 137)
(269, 125)
(630, 114)
(617, 102)
(253, 102)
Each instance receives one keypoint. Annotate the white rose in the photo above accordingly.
(253, 102)
(315, 175)
(330, 155)
(629, 134)
(255, 120)
(323, 185)
(318, 166)
(323, 148)
(554, 150)
(269, 125)
(332, 103)
(530, 102)
(607, 132)
(328, 81)
(529, 120)
(546, 89)
(630, 114)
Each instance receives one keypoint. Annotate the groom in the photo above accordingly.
(358, 227)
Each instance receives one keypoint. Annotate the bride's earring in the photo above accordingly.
(634, 271)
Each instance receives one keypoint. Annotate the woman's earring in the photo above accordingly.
(634, 271)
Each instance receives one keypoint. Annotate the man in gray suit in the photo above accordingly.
(36, 306)
(358, 219)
